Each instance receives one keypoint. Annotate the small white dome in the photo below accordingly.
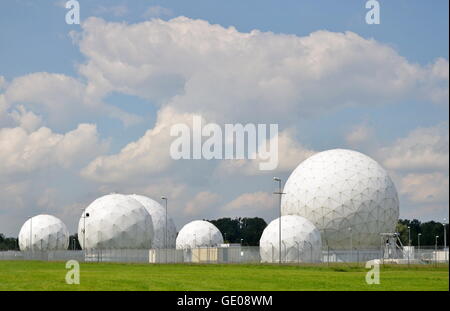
(300, 241)
(198, 233)
(43, 233)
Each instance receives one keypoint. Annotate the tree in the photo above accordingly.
(247, 229)
(74, 244)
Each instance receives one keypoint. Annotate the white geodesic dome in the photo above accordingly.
(115, 221)
(198, 233)
(348, 196)
(43, 233)
(300, 241)
(158, 213)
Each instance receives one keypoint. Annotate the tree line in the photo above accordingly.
(248, 231)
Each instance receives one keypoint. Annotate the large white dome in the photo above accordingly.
(198, 233)
(115, 221)
(46, 233)
(158, 213)
(348, 196)
(300, 241)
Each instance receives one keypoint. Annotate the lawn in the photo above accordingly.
(39, 275)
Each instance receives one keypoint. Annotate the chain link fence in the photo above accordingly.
(236, 254)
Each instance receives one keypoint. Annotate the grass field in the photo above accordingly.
(38, 275)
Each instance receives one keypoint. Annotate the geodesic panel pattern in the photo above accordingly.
(115, 221)
(43, 233)
(300, 241)
(158, 213)
(198, 233)
(348, 196)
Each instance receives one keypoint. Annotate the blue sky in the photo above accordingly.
(34, 38)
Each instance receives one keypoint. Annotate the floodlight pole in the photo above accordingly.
(31, 233)
(165, 229)
(279, 223)
(435, 248)
(351, 243)
(418, 243)
(409, 236)
(84, 229)
(445, 239)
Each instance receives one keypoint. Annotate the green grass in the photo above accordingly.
(38, 275)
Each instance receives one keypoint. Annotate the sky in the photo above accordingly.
(86, 110)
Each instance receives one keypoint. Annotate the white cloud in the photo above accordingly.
(26, 119)
(256, 204)
(423, 149)
(228, 75)
(290, 154)
(425, 188)
(251, 201)
(201, 201)
(25, 152)
(2, 82)
(360, 134)
(148, 155)
(63, 98)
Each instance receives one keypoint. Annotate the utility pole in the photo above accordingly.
(165, 230)
(279, 224)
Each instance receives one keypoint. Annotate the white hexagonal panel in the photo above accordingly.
(158, 213)
(46, 233)
(348, 196)
(300, 241)
(115, 221)
(198, 233)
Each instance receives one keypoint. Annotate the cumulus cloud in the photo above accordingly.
(361, 134)
(228, 75)
(246, 201)
(290, 154)
(62, 98)
(201, 201)
(254, 204)
(27, 120)
(148, 155)
(25, 152)
(424, 148)
(426, 188)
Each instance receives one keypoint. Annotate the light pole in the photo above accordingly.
(409, 236)
(165, 229)
(435, 247)
(445, 239)
(279, 223)
(418, 242)
(85, 215)
(351, 243)
(31, 233)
